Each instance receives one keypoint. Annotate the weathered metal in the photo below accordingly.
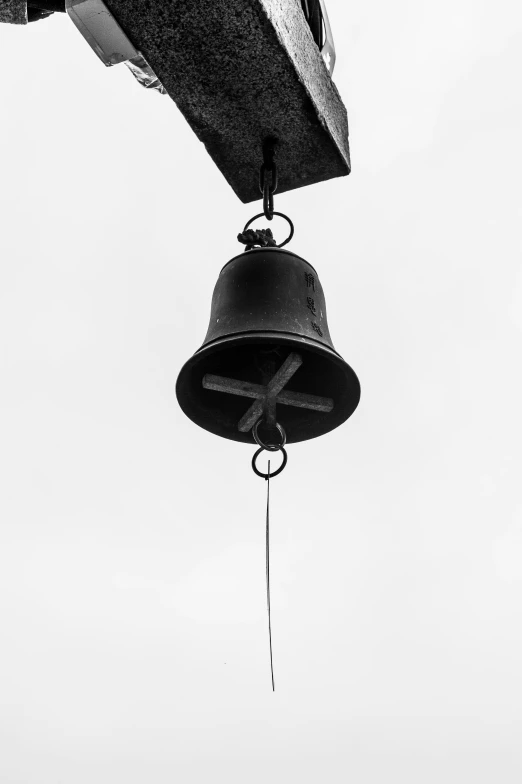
(268, 305)
(234, 387)
(267, 404)
(267, 397)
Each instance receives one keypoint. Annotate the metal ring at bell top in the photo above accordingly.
(271, 474)
(269, 447)
(281, 215)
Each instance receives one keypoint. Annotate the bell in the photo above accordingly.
(268, 354)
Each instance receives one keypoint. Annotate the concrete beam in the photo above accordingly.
(242, 71)
(13, 11)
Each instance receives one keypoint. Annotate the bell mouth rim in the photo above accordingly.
(277, 339)
(271, 250)
(267, 334)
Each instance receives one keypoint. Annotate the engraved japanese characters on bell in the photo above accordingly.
(310, 280)
(310, 304)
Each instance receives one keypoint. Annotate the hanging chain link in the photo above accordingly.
(268, 177)
(268, 186)
(264, 238)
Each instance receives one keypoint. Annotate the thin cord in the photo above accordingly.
(268, 570)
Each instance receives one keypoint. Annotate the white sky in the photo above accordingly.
(133, 635)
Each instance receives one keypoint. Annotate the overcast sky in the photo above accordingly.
(133, 633)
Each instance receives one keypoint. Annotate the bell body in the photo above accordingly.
(267, 303)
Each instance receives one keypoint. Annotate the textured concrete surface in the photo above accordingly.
(241, 71)
(13, 11)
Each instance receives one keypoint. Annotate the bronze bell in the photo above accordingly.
(268, 305)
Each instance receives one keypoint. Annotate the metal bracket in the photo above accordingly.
(101, 30)
(317, 18)
(112, 45)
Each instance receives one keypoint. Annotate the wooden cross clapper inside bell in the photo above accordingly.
(268, 354)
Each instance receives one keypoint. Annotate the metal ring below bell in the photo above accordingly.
(269, 447)
(271, 474)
